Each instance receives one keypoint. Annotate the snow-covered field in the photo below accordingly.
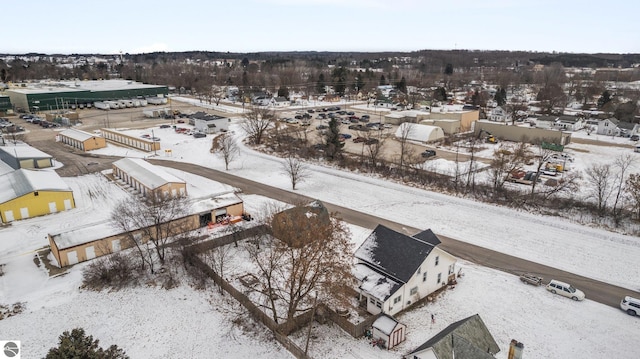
(152, 322)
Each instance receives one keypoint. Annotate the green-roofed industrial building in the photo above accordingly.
(68, 94)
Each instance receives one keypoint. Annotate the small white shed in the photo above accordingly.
(389, 330)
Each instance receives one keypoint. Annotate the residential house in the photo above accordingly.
(569, 123)
(279, 101)
(389, 331)
(498, 114)
(30, 193)
(395, 270)
(608, 127)
(466, 338)
(547, 122)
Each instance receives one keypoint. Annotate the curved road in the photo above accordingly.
(595, 290)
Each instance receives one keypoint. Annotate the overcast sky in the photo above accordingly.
(139, 26)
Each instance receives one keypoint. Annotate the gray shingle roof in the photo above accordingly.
(469, 337)
(395, 254)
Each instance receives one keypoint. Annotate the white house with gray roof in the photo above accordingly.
(395, 270)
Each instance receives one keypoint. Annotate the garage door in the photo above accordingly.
(24, 213)
(52, 207)
(8, 215)
(44, 163)
(90, 252)
(26, 163)
(67, 204)
(115, 245)
(72, 257)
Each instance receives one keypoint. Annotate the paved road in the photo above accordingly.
(77, 163)
(598, 291)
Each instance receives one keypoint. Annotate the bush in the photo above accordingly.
(114, 271)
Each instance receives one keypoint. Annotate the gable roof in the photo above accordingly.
(24, 151)
(393, 253)
(385, 324)
(147, 174)
(469, 338)
(20, 182)
(78, 134)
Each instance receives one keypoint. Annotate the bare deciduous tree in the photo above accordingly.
(405, 132)
(256, 122)
(622, 164)
(311, 254)
(633, 188)
(296, 170)
(217, 258)
(507, 159)
(599, 182)
(227, 148)
(150, 224)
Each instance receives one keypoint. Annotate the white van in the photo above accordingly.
(565, 289)
(630, 305)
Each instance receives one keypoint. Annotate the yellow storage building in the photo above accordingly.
(31, 193)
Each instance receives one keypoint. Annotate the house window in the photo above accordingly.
(378, 304)
(397, 299)
(413, 290)
(439, 277)
(437, 260)
(372, 301)
(35, 193)
(424, 276)
(451, 269)
(418, 270)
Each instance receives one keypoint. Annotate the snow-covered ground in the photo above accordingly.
(152, 322)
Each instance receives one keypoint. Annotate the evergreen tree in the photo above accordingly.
(321, 84)
(77, 345)
(440, 94)
(383, 81)
(402, 85)
(604, 99)
(283, 92)
(448, 70)
(501, 97)
(332, 140)
(245, 62)
(339, 78)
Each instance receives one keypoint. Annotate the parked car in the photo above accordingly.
(345, 135)
(428, 153)
(344, 121)
(359, 139)
(322, 127)
(199, 135)
(630, 305)
(371, 141)
(292, 120)
(634, 138)
(351, 113)
(165, 126)
(565, 289)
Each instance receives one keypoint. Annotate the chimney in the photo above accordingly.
(515, 349)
